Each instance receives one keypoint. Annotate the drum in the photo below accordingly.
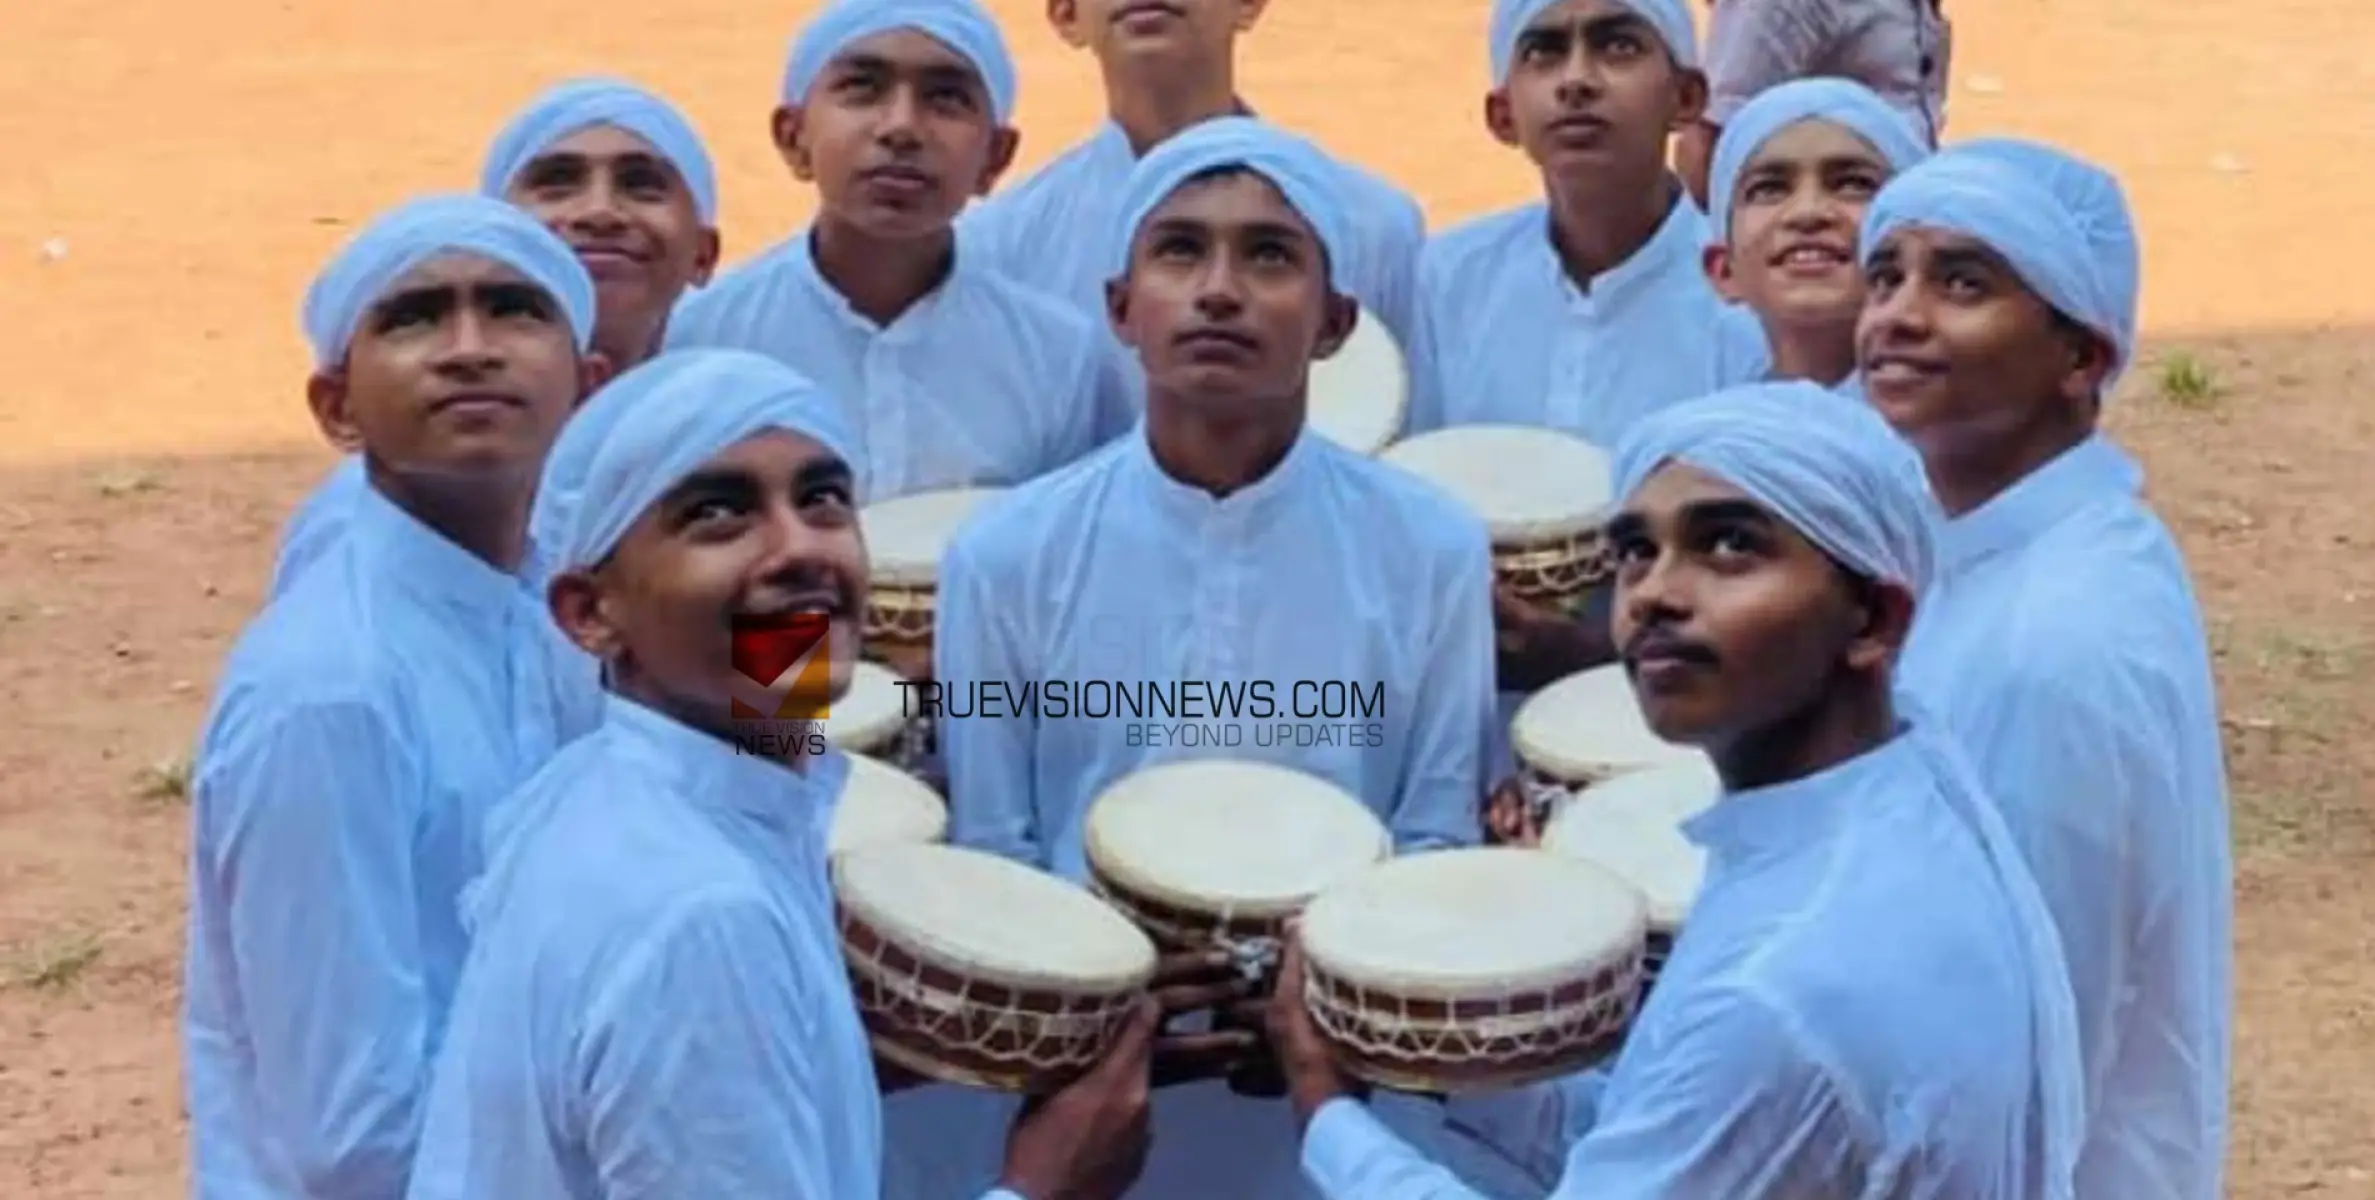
(1632, 826)
(904, 540)
(1541, 493)
(1220, 853)
(1360, 395)
(975, 970)
(883, 804)
(1582, 731)
(871, 719)
(1475, 969)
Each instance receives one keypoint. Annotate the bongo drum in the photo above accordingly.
(1581, 732)
(1217, 852)
(1418, 975)
(883, 804)
(871, 719)
(1632, 826)
(904, 541)
(976, 970)
(1359, 396)
(1541, 493)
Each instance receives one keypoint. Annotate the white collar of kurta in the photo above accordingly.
(716, 772)
(2093, 468)
(1188, 502)
(1675, 247)
(417, 559)
(907, 326)
(1775, 821)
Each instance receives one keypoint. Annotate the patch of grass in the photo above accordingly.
(53, 963)
(2188, 382)
(118, 484)
(166, 781)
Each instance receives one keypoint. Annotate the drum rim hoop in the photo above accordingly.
(1122, 871)
(868, 911)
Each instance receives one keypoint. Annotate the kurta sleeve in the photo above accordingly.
(993, 800)
(1443, 772)
(323, 915)
(1755, 44)
(2072, 745)
(696, 1075)
(1423, 355)
(1732, 1106)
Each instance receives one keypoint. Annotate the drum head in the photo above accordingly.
(905, 537)
(1588, 727)
(1459, 924)
(870, 714)
(1358, 397)
(1527, 483)
(883, 804)
(1236, 839)
(992, 919)
(1632, 825)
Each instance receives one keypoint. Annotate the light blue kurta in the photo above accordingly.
(2063, 642)
(1509, 338)
(983, 382)
(1854, 1011)
(1333, 567)
(320, 520)
(366, 722)
(655, 1006)
(1056, 231)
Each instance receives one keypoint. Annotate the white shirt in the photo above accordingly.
(1056, 231)
(1333, 568)
(1866, 1003)
(656, 1006)
(2063, 643)
(1508, 338)
(366, 723)
(982, 382)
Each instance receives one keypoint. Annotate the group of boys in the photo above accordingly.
(487, 901)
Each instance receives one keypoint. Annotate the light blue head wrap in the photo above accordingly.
(962, 25)
(1983, 198)
(1670, 18)
(584, 103)
(2093, 197)
(1301, 171)
(414, 233)
(1828, 465)
(1845, 103)
(659, 423)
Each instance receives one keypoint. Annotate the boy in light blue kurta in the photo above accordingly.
(1868, 1000)
(655, 1005)
(374, 712)
(1221, 545)
(899, 110)
(1166, 68)
(1588, 309)
(1793, 173)
(617, 173)
(2062, 640)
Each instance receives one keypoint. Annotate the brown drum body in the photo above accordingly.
(1556, 574)
(1451, 1046)
(937, 1023)
(898, 629)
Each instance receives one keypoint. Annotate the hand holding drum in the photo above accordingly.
(1211, 857)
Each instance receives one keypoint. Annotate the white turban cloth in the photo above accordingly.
(420, 230)
(1301, 171)
(1842, 102)
(961, 25)
(582, 104)
(1669, 17)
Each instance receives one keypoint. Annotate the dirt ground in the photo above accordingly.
(182, 169)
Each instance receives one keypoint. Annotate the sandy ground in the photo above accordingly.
(181, 169)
